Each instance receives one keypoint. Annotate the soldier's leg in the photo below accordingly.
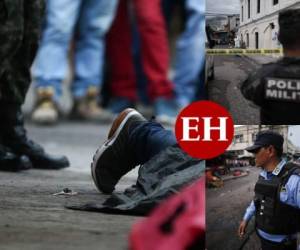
(11, 33)
(17, 78)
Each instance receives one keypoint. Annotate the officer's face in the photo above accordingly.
(263, 156)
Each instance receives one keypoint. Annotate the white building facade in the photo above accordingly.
(259, 22)
(244, 136)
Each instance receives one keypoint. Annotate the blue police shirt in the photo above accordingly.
(289, 195)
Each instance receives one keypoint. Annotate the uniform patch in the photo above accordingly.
(282, 89)
(283, 189)
(276, 170)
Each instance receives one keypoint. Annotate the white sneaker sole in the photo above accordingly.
(106, 146)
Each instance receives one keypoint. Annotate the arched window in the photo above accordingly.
(249, 9)
(256, 40)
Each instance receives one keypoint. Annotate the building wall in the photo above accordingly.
(249, 132)
(261, 22)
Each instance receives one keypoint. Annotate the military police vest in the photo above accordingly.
(272, 216)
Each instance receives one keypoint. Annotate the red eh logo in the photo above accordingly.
(204, 129)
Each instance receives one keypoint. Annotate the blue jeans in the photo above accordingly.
(148, 139)
(190, 52)
(87, 21)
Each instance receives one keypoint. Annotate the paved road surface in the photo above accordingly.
(32, 218)
(225, 208)
(230, 71)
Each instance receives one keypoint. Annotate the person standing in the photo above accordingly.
(19, 35)
(190, 51)
(85, 23)
(155, 59)
(276, 204)
(274, 87)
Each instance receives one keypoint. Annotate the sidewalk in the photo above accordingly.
(260, 59)
(227, 177)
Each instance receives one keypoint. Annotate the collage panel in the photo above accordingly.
(252, 190)
(253, 56)
(117, 124)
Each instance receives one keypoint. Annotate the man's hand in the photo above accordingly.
(242, 228)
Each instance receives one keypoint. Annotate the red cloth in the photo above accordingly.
(186, 226)
(154, 50)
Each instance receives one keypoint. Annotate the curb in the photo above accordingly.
(235, 177)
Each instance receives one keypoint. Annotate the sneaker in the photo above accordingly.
(115, 157)
(45, 111)
(165, 111)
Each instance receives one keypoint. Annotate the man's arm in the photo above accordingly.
(252, 88)
(248, 215)
(292, 197)
(249, 212)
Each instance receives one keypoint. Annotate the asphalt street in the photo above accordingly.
(225, 208)
(230, 72)
(32, 218)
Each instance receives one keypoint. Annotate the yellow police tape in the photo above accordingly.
(243, 51)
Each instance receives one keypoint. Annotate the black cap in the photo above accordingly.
(266, 138)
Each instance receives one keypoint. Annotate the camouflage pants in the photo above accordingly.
(20, 22)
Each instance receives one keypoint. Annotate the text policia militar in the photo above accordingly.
(282, 89)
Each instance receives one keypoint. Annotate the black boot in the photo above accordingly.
(11, 162)
(15, 137)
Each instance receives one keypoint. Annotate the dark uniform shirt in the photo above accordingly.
(275, 88)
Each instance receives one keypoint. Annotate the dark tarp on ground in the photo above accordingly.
(163, 175)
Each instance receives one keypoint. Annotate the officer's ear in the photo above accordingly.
(272, 151)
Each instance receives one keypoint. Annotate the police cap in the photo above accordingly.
(266, 138)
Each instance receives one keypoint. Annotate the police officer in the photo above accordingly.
(276, 204)
(19, 33)
(275, 88)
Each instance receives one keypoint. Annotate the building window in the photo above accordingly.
(238, 138)
(258, 6)
(247, 40)
(275, 2)
(242, 13)
(249, 8)
(256, 40)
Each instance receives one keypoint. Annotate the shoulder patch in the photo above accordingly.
(283, 189)
(282, 89)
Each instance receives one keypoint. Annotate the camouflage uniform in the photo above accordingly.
(20, 22)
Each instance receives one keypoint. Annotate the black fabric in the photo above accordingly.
(273, 111)
(163, 175)
(271, 215)
(286, 245)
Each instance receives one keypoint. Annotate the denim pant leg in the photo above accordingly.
(95, 20)
(190, 52)
(148, 139)
(51, 63)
